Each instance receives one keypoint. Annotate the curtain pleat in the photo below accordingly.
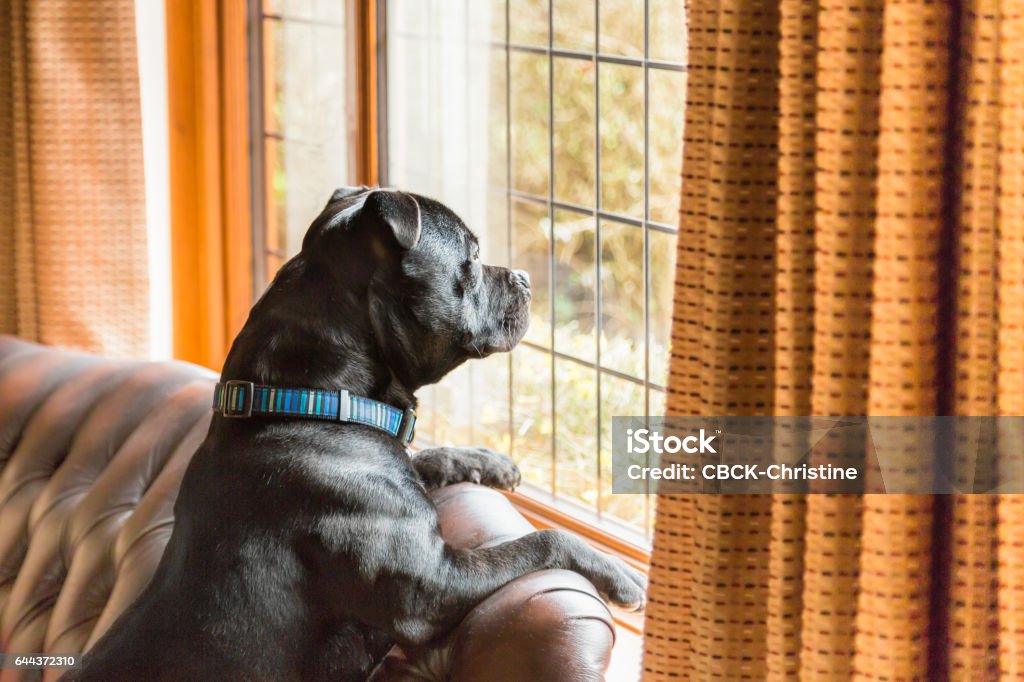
(731, 534)
(725, 270)
(893, 603)
(794, 311)
(972, 603)
(8, 309)
(73, 259)
(1010, 313)
(851, 243)
(843, 228)
(672, 571)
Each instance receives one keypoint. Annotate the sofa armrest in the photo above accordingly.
(545, 626)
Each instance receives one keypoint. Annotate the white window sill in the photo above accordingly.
(626, 657)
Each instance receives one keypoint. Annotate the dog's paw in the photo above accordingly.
(439, 467)
(619, 583)
(616, 581)
(630, 589)
(492, 468)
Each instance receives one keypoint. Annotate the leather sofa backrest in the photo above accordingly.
(92, 451)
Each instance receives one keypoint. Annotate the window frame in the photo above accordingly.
(361, 20)
(208, 146)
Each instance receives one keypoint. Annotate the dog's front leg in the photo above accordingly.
(438, 467)
(475, 573)
(435, 586)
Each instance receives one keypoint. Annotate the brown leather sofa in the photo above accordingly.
(92, 452)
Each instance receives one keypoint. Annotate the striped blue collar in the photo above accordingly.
(246, 399)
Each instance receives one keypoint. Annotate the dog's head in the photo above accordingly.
(431, 302)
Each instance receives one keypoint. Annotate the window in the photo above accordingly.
(306, 119)
(554, 128)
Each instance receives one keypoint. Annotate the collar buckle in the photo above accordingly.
(237, 399)
(406, 428)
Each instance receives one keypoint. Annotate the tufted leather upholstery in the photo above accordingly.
(92, 452)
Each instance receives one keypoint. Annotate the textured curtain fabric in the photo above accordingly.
(72, 214)
(851, 243)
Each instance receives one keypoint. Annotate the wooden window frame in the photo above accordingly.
(210, 53)
(211, 251)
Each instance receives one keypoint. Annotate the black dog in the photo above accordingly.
(304, 549)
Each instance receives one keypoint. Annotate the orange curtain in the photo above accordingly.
(72, 214)
(851, 243)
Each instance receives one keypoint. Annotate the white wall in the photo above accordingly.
(150, 22)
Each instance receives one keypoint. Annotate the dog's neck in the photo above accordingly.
(305, 332)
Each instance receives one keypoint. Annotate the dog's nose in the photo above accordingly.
(520, 277)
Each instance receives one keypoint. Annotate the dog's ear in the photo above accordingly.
(380, 209)
(346, 192)
(399, 211)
